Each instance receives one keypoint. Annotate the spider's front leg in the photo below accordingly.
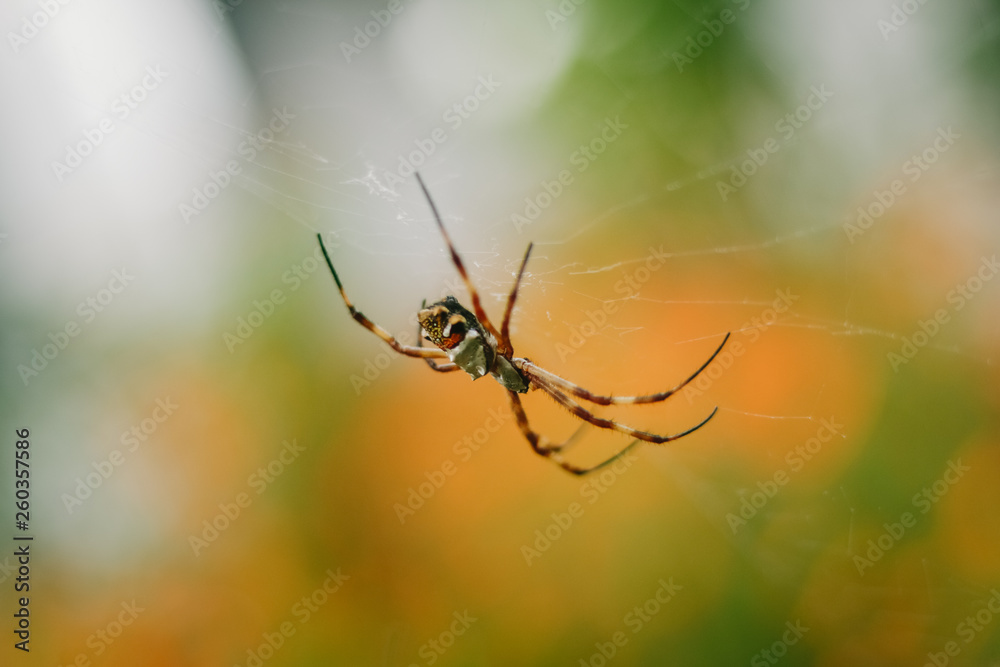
(477, 305)
(439, 367)
(359, 317)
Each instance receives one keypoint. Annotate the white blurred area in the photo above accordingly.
(70, 64)
(186, 99)
(114, 111)
(895, 76)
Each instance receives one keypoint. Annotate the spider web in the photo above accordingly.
(493, 130)
(495, 102)
(386, 104)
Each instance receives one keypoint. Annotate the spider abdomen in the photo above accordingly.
(508, 376)
(473, 355)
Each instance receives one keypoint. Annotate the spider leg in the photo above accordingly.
(477, 305)
(547, 377)
(600, 422)
(505, 327)
(408, 350)
(440, 368)
(540, 443)
(570, 441)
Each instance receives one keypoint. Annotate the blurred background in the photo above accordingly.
(227, 470)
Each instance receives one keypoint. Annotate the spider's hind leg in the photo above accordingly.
(611, 424)
(543, 376)
(568, 442)
(584, 471)
(543, 447)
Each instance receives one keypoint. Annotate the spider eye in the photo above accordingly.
(456, 326)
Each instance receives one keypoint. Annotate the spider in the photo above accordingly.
(471, 343)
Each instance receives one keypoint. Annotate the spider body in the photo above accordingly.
(470, 342)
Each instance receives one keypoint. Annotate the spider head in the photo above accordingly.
(446, 323)
(455, 330)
